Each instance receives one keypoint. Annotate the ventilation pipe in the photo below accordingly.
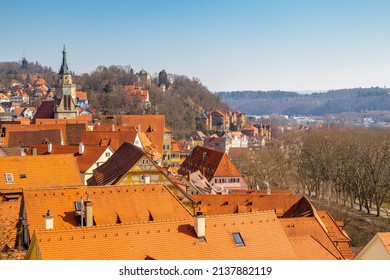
(49, 147)
(81, 148)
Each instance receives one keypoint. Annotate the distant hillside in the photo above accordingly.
(183, 100)
(290, 103)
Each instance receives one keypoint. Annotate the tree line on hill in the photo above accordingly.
(316, 104)
(348, 165)
(103, 92)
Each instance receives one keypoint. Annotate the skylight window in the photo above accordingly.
(9, 178)
(238, 239)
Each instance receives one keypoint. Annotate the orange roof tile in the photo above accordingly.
(309, 248)
(39, 171)
(151, 125)
(171, 240)
(385, 238)
(9, 219)
(309, 226)
(111, 205)
(210, 163)
(90, 155)
(286, 206)
(82, 95)
(112, 138)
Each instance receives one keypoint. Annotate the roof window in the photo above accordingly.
(9, 178)
(238, 239)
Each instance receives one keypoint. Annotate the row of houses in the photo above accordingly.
(118, 188)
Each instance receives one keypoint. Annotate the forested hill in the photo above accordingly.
(290, 103)
(184, 99)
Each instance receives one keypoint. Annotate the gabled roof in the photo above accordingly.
(90, 155)
(117, 165)
(38, 171)
(111, 205)
(385, 238)
(82, 95)
(26, 138)
(45, 110)
(210, 162)
(378, 248)
(171, 240)
(114, 139)
(250, 128)
(152, 125)
(309, 227)
(283, 205)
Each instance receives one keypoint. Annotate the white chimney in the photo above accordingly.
(268, 188)
(81, 148)
(49, 220)
(88, 213)
(34, 151)
(200, 224)
(49, 147)
(113, 127)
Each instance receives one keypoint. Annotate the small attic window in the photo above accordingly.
(9, 178)
(238, 239)
(77, 205)
(23, 176)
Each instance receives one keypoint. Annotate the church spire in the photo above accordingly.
(64, 67)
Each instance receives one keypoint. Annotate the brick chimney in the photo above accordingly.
(200, 224)
(88, 213)
(49, 220)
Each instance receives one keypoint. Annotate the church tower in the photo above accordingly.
(65, 100)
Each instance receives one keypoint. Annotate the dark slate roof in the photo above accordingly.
(26, 138)
(74, 133)
(45, 110)
(116, 166)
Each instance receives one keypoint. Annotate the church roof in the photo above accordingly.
(64, 66)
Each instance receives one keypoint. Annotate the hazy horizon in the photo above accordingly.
(229, 45)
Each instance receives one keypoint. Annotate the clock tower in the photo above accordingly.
(65, 100)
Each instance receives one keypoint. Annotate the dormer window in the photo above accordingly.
(9, 178)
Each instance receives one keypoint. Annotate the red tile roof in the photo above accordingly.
(38, 171)
(90, 155)
(114, 139)
(9, 219)
(210, 163)
(171, 240)
(111, 205)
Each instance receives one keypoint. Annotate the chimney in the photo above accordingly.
(88, 213)
(204, 155)
(268, 188)
(81, 148)
(49, 220)
(49, 147)
(200, 224)
(139, 128)
(113, 127)
(34, 151)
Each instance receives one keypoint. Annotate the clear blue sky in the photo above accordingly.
(228, 45)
